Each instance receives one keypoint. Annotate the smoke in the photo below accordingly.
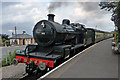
(54, 5)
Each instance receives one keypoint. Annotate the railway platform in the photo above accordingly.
(94, 63)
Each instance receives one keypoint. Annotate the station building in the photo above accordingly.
(22, 39)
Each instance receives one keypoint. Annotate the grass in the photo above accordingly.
(0, 44)
(4, 63)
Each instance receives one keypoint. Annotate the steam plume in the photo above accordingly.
(54, 5)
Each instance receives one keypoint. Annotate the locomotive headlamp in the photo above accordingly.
(42, 66)
(15, 61)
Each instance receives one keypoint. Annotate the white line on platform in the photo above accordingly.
(24, 75)
(66, 61)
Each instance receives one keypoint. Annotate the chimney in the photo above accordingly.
(24, 32)
(51, 17)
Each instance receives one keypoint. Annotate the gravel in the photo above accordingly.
(13, 71)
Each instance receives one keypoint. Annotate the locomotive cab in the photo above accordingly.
(80, 29)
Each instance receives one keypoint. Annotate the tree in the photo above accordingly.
(115, 8)
(5, 36)
(7, 42)
(3, 40)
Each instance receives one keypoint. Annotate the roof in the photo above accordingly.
(21, 36)
(98, 30)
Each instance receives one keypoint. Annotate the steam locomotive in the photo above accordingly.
(56, 42)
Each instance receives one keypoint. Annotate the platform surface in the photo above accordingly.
(96, 62)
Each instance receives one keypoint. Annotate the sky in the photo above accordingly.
(24, 15)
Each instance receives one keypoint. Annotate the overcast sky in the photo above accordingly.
(24, 15)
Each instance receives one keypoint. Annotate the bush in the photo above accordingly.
(13, 55)
(7, 42)
(4, 61)
(0, 44)
(8, 59)
(3, 40)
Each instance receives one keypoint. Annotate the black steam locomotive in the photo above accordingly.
(56, 42)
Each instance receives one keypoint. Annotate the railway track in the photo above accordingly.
(30, 77)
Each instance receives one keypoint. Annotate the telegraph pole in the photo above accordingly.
(15, 35)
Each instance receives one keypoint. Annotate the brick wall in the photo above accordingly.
(20, 42)
(33, 40)
(25, 41)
